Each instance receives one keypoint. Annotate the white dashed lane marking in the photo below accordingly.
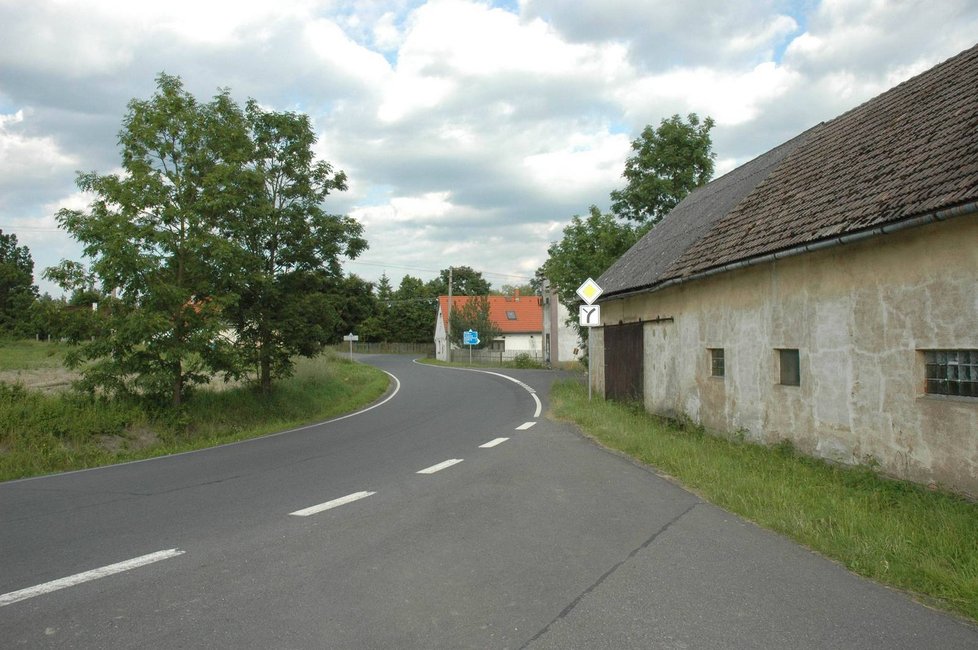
(342, 501)
(525, 426)
(440, 466)
(493, 443)
(87, 576)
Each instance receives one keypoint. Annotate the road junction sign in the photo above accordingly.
(589, 291)
(590, 316)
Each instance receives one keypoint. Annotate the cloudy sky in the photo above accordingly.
(471, 131)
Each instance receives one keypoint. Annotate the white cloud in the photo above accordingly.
(729, 98)
(386, 35)
(331, 46)
(26, 159)
(468, 130)
(585, 166)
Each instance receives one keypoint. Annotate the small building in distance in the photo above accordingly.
(519, 320)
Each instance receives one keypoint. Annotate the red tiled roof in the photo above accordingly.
(527, 309)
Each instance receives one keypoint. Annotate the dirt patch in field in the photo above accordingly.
(135, 440)
(47, 380)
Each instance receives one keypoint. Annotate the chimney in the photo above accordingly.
(516, 295)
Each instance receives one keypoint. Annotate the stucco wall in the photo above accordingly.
(523, 343)
(858, 314)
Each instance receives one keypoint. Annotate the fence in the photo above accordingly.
(419, 349)
(496, 358)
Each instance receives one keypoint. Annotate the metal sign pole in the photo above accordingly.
(589, 292)
(590, 357)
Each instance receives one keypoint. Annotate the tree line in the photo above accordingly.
(212, 253)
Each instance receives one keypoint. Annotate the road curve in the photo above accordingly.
(451, 516)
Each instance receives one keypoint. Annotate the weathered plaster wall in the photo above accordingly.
(858, 314)
(523, 342)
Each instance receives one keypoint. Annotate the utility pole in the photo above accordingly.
(448, 324)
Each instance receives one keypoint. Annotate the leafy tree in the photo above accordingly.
(17, 290)
(473, 315)
(285, 240)
(589, 246)
(668, 163)
(72, 277)
(378, 326)
(355, 304)
(47, 316)
(466, 281)
(414, 309)
(150, 233)
(83, 315)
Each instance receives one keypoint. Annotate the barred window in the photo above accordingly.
(716, 362)
(951, 372)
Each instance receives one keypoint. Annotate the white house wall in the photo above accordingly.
(859, 315)
(523, 342)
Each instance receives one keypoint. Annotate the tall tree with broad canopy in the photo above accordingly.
(668, 163)
(150, 233)
(216, 220)
(287, 247)
(589, 246)
(17, 290)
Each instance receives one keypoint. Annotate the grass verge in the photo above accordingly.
(42, 434)
(28, 355)
(897, 533)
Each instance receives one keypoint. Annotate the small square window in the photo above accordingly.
(511, 315)
(951, 372)
(716, 362)
(790, 367)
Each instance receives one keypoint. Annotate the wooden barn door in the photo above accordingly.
(623, 362)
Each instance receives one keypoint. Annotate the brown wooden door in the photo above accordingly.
(623, 362)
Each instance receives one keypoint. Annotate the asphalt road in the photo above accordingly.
(541, 540)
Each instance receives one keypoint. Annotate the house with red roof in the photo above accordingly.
(824, 293)
(519, 320)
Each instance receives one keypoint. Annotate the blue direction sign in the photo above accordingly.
(470, 337)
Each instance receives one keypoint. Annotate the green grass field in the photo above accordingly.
(46, 432)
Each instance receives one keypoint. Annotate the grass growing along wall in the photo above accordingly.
(897, 533)
(44, 433)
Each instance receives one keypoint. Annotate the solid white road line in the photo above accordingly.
(526, 387)
(525, 426)
(87, 576)
(493, 443)
(342, 501)
(440, 466)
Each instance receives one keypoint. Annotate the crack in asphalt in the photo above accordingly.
(607, 574)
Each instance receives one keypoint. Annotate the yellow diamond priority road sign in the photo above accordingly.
(589, 291)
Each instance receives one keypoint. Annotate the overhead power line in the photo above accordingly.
(415, 268)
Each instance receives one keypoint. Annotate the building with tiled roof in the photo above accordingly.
(519, 320)
(825, 292)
